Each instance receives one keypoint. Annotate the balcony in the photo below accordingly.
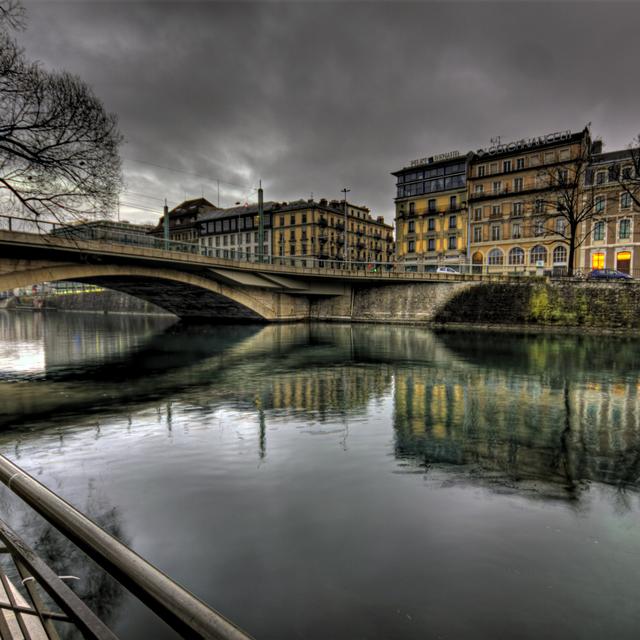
(340, 226)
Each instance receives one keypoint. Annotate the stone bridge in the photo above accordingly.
(197, 286)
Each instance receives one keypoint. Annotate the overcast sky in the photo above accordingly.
(315, 96)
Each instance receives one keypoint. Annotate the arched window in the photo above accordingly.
(477, 258)
(495, 257)
(538, 253)
(516, 256)
(560, 255)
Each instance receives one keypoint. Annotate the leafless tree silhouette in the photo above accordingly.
(568, 204)
(58, 145)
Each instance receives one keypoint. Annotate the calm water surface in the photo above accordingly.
(331, 481)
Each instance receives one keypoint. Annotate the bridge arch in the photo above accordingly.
(182, 293)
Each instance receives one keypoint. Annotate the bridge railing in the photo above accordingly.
(104, 231)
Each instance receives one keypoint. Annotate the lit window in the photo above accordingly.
(597, 261)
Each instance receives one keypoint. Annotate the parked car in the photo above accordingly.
(446, 270)
(608, 274)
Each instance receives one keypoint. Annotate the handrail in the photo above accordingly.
(183, 611)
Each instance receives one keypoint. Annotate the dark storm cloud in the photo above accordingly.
(311, 97)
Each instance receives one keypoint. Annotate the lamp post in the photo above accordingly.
(346, 240)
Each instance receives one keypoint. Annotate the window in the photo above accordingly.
(225, 225)
(495, 257)
(598, 230)
(517, 184)
(481, 170)
(411, 226)
(497, 186)
(477, 213)
(217, 241)
(539, 206)
(452, 242)
(520, 163)
(411, 246)
(538, 227)
(623, 261)
(517, 208)
(431, 244)
(516, 256)
(431, 205)
(597, 260)
(233, 239)
(412, 207)
(477, 233)
(240, 223)
(560, 226)
(225, 241)
(601, 178)
(453, 203)
(624, 232)
(560, 255)
(506, 166)
(515, 230)
(453, 222)
(495, 232)
(496, 210)
(626, 173)
(538, 254)
(431, 224)
(479, 188)
(304, 218)
(282, 221)
(292, 219)
(625, 201)
(247, 237)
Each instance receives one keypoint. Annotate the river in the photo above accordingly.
(334, 481)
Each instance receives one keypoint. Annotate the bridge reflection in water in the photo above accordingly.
(289, 431)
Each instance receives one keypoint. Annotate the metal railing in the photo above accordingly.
(331, 265)
(184, 612)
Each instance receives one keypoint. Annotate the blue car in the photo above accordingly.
(608, 274)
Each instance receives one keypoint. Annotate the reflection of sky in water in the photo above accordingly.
(340, 482)
(21, 358)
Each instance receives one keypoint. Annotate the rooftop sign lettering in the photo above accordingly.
(431, 159)
(526, 143)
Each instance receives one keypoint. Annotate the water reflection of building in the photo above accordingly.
(509, 428)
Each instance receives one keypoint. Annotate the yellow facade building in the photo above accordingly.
(431, 219)
(309, 232)
(510, 201)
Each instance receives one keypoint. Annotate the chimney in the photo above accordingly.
(596, 147)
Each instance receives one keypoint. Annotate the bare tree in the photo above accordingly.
(569, 203)
(58, 145)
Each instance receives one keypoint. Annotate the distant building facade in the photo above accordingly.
(430, 204)
(509, 200)
(299, 233)
(183, 220)
(234, 233)
(306, 229)
(613, 235)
